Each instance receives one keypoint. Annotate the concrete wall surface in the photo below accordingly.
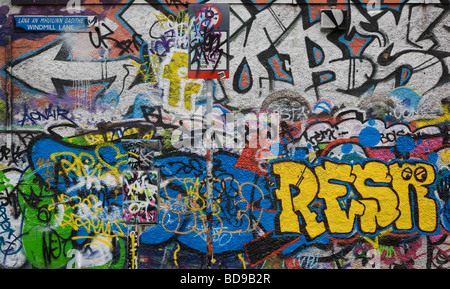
(326, 147)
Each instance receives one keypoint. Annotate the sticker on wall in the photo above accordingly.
(140, 196)
(141, 153)
(209, 26)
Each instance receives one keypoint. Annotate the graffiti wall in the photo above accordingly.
(326, 147)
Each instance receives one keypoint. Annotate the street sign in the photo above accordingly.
(209, 29)
(55, 23)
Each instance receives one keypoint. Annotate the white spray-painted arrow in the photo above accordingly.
(46, 68)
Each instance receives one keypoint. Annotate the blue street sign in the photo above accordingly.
(55, 23)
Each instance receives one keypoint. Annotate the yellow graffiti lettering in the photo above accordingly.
(301, 179)
(85, 165)
(380, 201)
(411, 182)
(181, 17)
(180, 84)
(194, 204)
(336, 197)
(333, 179)
(84, 213)
(147, 70)
(445, 156)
